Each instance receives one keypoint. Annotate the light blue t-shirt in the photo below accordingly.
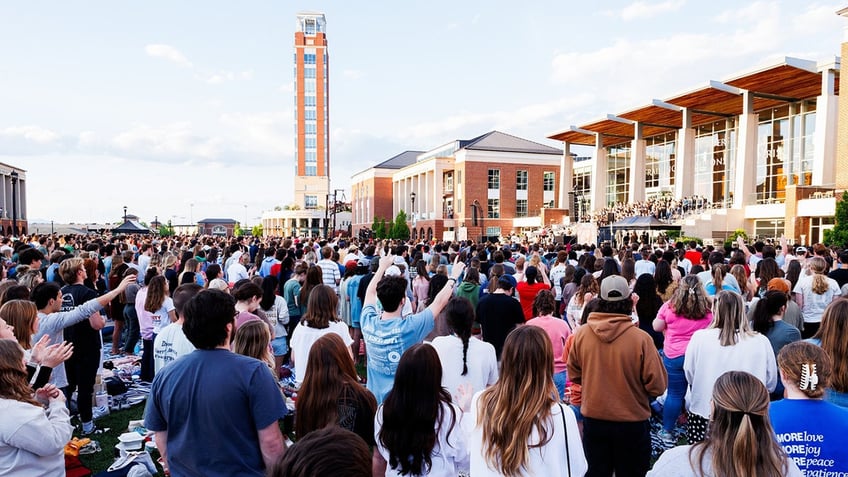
(385, 343)
(812, 433)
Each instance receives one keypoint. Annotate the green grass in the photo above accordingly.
(117, 423)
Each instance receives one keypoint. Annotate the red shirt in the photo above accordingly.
(527, 294)
(694, 256)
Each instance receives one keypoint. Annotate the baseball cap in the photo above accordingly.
(801, 250)
(508, 280)
(364, 262)
(779, 284)
(393, 271)
(615, 288)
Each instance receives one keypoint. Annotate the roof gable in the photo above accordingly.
(498, 141)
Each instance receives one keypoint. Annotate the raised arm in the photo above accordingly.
(371, 291)
(441, 299)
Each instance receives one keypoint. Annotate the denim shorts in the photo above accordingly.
(280, 346)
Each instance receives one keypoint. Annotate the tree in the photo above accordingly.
(379, 228)
(256, 231)
(237, 232)
(277, 208)
(399, 228)
(166, 230)
(839, 234)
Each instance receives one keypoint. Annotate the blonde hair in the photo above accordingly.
(818, 266)
(68, 270)
(527, 364)
(740, 436)
(729, 317)
(252, 339)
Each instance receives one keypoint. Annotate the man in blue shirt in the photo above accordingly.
(214, 412)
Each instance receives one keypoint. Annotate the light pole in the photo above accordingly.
(125, 214)
(412, 199)
(14, 203)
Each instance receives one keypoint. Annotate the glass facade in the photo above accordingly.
(768, 228)
(618, 173)
(581, 185)
(715, 154)
(549, 180)
(660, 154)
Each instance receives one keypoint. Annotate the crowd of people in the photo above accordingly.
(665, 208)
(479, 359)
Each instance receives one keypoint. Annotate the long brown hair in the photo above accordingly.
(321, 309)
(832, 333)
(740, 437)
(13, 375)
(330, 377)
(157, 291)
(252, 339)
(729, 317)
(314, 277)
(22, 315)
(526, 377)
(690, 299)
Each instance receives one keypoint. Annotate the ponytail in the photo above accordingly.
(718, 276)
(459, 314)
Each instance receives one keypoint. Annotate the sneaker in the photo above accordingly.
(668, 440)
(94, 431)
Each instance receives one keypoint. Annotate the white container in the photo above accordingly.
(132, 441)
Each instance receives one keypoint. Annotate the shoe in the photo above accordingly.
(94, 431)
(667, 439)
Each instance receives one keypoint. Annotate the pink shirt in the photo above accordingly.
(558, 331)
(679, 330)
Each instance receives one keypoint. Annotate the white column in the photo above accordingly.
(824, 153)
(684, 164)
(566, 173)
(599, 174)
(746, 154)
(636, 191)
(437, 193)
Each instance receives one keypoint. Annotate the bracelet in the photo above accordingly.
(452, 278)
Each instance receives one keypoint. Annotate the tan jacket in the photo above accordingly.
(618, 367)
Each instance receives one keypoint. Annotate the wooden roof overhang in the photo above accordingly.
(789, 80)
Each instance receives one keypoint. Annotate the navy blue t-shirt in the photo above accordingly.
(212, 403)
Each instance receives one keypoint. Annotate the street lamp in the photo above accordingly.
(14, 203)
(412, 199)
(125, 214)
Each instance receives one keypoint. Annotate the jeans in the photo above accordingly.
(559, 382)
(133, 332)
(676, 391)
(623, 448)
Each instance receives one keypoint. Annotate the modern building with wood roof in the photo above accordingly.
(760, 146)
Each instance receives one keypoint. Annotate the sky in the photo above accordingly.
(184, 110)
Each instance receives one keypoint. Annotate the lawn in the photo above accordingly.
(116, 422)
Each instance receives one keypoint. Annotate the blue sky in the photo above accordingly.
(157, 105)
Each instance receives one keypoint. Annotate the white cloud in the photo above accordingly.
(264, 133)
(169, 53)
(287, 88)
(641, 10)
(171, 141)
(35, 134)
(352, 74)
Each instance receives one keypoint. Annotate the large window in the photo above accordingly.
(549, 179)
(521, 208)
(494, 209)
(581, 187)
(772, 158)
(493, 231)
(715, 154)
(660, 153)
(309, 59)
(803, 129)
(494, 179)
(309, 114)
(618, 174)
(310, 201)
(768, 228)
(520, 180)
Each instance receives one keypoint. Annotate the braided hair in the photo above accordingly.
(460, 317)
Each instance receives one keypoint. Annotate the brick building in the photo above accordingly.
(489, 186)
